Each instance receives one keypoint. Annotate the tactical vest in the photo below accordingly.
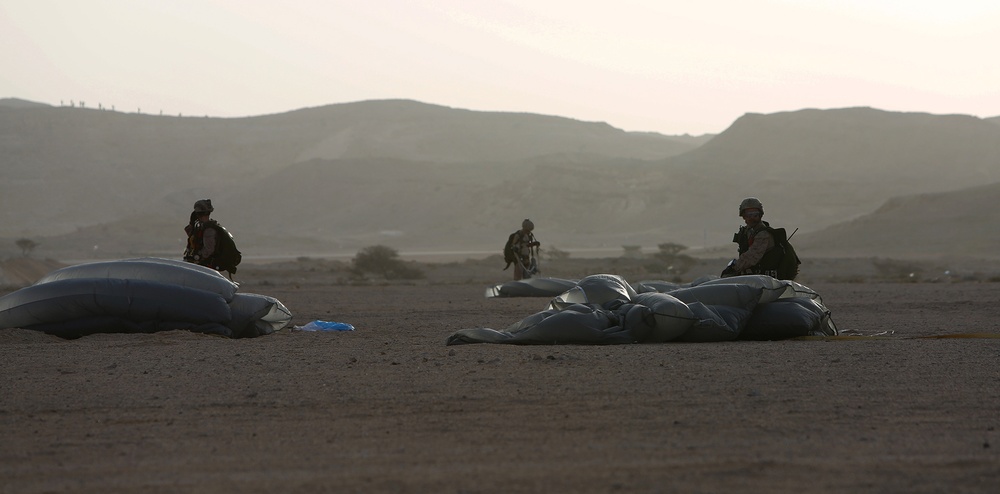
(195, 242)
(226, 256)
(772, 258)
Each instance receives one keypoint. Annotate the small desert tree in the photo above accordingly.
(670, 255)
(632, 251)
(897, 270)
(384, 261)
(26, 245)
(553, 253)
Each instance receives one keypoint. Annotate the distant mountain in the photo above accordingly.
(333, 179)
(21, 103)
(831, 144)
(66, 168)
(814, 168)
(962, 223)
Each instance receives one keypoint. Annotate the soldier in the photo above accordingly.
(209, 244)
(523, 242)
(756, 242)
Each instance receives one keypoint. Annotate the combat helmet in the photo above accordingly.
(751, 203)
(203, 206)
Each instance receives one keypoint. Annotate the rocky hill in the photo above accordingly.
(957, 224)
(74, 167)
(417, 177)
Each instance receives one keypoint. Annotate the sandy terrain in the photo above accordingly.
(390, 408)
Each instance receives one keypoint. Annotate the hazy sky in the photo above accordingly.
(673, 67)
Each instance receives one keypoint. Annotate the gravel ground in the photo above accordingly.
(906, 402)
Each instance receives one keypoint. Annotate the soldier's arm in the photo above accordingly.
(208, 243)
(762, 242)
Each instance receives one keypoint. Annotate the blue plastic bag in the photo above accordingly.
(325, 326)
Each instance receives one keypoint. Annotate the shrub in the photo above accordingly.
(26, 245)
(632, 251)
(670, 255)
(554, 253)
(897, 270)
(384, 261)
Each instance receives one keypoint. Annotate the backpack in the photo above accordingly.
(227, 256)
(788, 263)
(508, 251)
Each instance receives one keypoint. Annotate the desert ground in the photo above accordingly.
(906, 400)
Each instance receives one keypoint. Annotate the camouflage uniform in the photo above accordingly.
(201, 243)
(760, 241)
(523, 241)
(755, 240)
(201, 235)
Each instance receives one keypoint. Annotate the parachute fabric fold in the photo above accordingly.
(149, 268)
(257, 315)
(672, 317)
(715, 323)
(595, 289)
(577, 323)
(789, 318)
(740, 296)
(140, 296)
(134, 300)
(773, 289)
(531, 287)
(605, 309)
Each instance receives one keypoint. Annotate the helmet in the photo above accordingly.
(527, 225)
(203, 206)
(751, 203)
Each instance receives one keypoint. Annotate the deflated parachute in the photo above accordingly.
(168, 271)
(531, 287)
(140, 296)
(577, 323)
(605, 309)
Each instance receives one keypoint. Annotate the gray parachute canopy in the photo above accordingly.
(531, 287)
(606, 309)
(140, 296)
